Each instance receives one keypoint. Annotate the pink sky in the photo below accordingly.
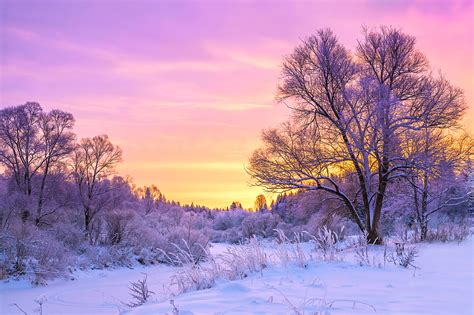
(186, 87)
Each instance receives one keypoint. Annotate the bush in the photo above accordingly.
(70, 235)
(32, 252)
(100, 257)
(260, 224)
(325, 242)
(140, 292)
(290, 250)
(232, 236)
(117, 223)
(238, 261)
(225, 220)
(448, 232)
(50, 258)
(332, 222)
(405, 255)
(181, 241)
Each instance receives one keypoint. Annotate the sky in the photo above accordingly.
(185, 87)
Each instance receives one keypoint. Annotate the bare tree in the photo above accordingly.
(57, 140)
(438, 159)
(260, 203)
(20, 148)
(150, 195)
(94, 159)
(32, 143)
(349, 114)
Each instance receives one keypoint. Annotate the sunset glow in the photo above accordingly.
(185, 88)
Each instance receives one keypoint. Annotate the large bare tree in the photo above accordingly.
(32, 144)
(350, 112)
(57, 140)
(21, 150)
(94, 160)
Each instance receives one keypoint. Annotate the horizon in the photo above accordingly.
(185, 89)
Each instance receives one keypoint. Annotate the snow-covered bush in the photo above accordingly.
(139, 292)
(364, 256)
(117, 222)
(50, 258)
(333, 222)
(233, 235)
(240, 260)
(181, 241)
(237, 262)
(100, 257)
(194, 277)
(448, 232)
(69, 234)
(27, 250)
(325, 243)
(260, 224)
(404, 255)
(407, 257)
(291, 251)
(225, 220)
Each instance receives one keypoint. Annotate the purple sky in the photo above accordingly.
(185, 87)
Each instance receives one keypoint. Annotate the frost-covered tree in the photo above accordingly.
(350, 111)
(438, 159)
(20, 146)
(94, 160)
(33, 144)
(151, 196)
(58, 142)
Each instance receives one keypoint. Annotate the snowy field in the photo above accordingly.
(443, 284)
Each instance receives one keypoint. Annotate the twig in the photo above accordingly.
(21, 310)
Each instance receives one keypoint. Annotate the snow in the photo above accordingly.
(443, 285)
(100, 292)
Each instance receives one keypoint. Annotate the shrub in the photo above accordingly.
(35, 253)
(225, 220)
(238, 261)
(448, 232)
(183, 242)
(332, 222)
(405, 255)
(117, 223)
(325, 242)
(139, 292)
(291, 251)
(231, 236)
(194, 277)
(260, 224)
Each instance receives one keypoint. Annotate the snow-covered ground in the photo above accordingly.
(93, 292)
(444, 284)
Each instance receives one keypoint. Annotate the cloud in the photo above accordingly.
(216, 165)
(126, 64)
(264, 55)
(138, 67)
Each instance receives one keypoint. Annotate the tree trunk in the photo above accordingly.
(423, 230)
(373, 237)
(87, 218)
(41, 195)
(424, 209)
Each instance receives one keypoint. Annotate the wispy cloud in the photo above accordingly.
(190, 87)
(217, 165)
